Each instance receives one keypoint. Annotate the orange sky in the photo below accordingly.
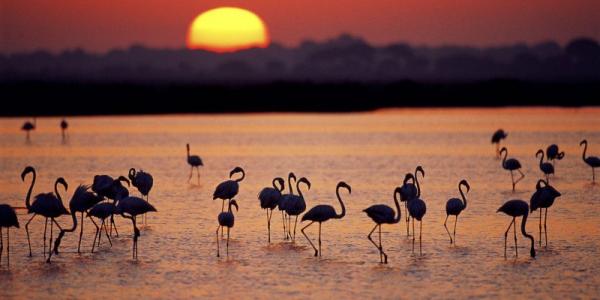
(98, 25)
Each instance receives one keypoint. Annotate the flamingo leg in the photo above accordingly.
(7, 247)
(100, 233)
(227, 247)
(593, 174)
(107, 234)
(296, 222)
(50, 245)
(373, 242)
(80, 235)
(540, 227)
(420, 240)
(217, 233)
(198, 172)
(545, 227)
(1, 246)
(516, 248)
(413, 239)
(27, 230)
(191, 172)
(520, 178)
(320, 252)
(454, 233)
(407, 218)
(512, 178)
(95, 235)
(112, 222)
(309, 241)
(269, 225)
(506, 235)
(283, 222)
(222, 209)
(447, 228)
(45, 229)
(381, 246)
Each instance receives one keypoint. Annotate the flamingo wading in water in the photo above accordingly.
(511, 165)
(592, 161)
(498, 136)
(195, 162)
(143, 182)
(28, 126)
(517, 208)
(546, 167)
(295, 206)
(409, 191)
(129, 208)
(543, 197)
(63, 128)
(285, 199)
(8, 219)
(383, 214)
(269, 199)
(455, 206)
(226, 219)
(417, 210)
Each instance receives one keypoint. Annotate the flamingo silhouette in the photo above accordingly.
(498, 136)
(194, 161)
(592, 161)
(417, 210)
(455, 206)
(226, 219)
(409, 191)
(102, 211)
(50, 206)
(28, 126)
(228, 189)
(546, 167)
(322, 213)
(27, 170)
(129, 208)
(63, 127)
(112, 189)
(383, 214)
(543, 197)
(81, 201)
(143, 182)
(285, 199)
(511, 165)
(295, 206)
(517, 208)
(553, 154)
(8, 219)
(269, 199)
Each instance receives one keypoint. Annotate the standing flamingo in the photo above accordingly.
(8, 219)
(63, 127)
(517, 208)
(143, 182)
(50, 206)
(409, 191)
(110, 188)
(228, 189)
(285, 199)
(455, 206)
(417, 210)
(81, 201)
(226, 219)
(511, 165)
(592, 161)
(269, 199)
(27, 170)
(28, 126)
(543, 197)
(129, 208)
(546, 167)
(102, 211)
(383, 214)
(194, 161)
(553, 154)
(498, 136)
(295, 206)
(322, 213)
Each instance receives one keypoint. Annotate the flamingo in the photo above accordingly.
(134, 206)
(517, 208)
(48, 205)
(322, 213)
(543, 197)
(226, 219)
(417, 210)
(194, 161)
(63, 127)
(295, 206)
(383, 214)
(269, 199)
(455, 206)
(28, 126)
(110, 188)
(498, 136)
(228, 189)
(286, 198)
(592, 161)
(511, 165)
(81, 201)
(546, 167)
(102, 211)
(142, 181)
(8, 219)
(27, 170)
(409, 191)
(552, 153)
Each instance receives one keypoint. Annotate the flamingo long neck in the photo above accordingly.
(584, 150)
(398, 217)
(541, 158)
(28, 199)
(188, 152)
(523, 222)
(341, 215)
(241, 178)
(418, 186)
(504, 158)
(74, 222)
(463, 196)
(56, 191)
(561, 155)
(298, 189)
(290, 185)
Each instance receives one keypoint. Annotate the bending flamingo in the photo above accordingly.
(553, 154)
(102, 211)
(322, 213)
(226, 219)
(295, 206)
(517, 208)
(543, 197)
(455, 206)
(592, 161)
(546, 167)
(269, 199)
(195, 162)
(129, 208)
(383, 214)
(498, 136)
(511, 165)
(8, 219)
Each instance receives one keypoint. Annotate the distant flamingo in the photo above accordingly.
(409, 191)
(194, 161)
(226, 219)
(543, 197)
(285, 199)
(498, 136)
(417, 210)
(129, 208)
(28, 126)
(81, 201)
(322, 213)
(383, 214)
(455, 206)
(511, 165)
(63, 126)
(517, 208)
(592, 161)
(546, 167)
(269, 199)
(8, 219)
(50, 206)
(102, 211)
(553, 154)
(295, 206)
(143, 182)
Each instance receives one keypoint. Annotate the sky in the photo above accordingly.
(100, 25)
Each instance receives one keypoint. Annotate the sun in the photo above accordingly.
(227, 29)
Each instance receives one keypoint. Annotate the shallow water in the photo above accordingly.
(370, 151)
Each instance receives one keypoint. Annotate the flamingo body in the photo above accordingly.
(8, 217)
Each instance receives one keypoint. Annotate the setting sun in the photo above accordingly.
(227, 29)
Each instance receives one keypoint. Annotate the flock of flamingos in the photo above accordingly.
(108, 197)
